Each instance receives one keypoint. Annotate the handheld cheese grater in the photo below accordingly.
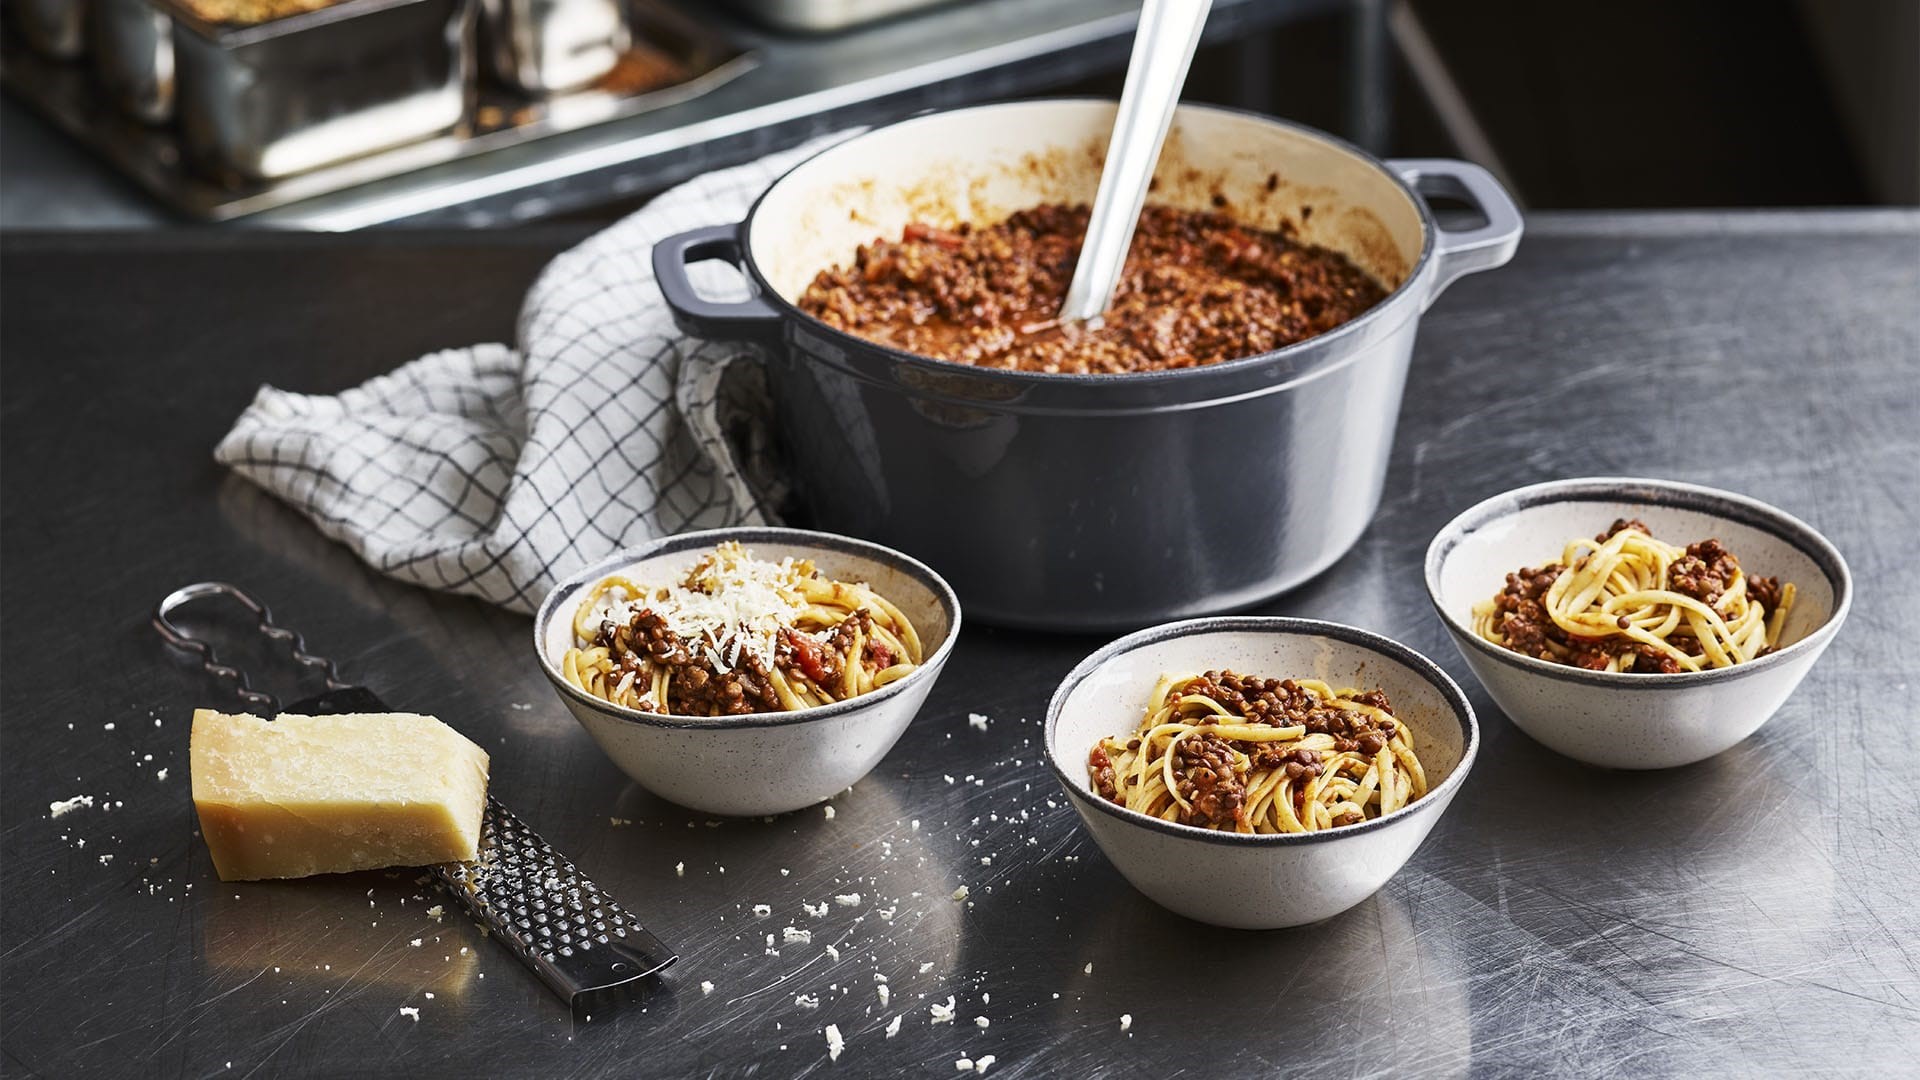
(574, 936)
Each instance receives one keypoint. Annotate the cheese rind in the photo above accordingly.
(329, 794)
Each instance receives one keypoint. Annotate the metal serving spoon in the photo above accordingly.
(1162, 51)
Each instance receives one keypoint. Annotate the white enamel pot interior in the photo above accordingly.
(980, 165)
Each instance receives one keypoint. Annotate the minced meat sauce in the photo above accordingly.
(1197, 289)
(1205, 771)
(702, 686)
(1704, 573)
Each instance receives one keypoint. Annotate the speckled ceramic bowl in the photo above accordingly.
(1258, 882)
(1629, 721)
(768, 763)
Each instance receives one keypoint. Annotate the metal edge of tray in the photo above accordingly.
(236, 34)
(66, 95)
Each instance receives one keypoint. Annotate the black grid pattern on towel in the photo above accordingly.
(494, 472)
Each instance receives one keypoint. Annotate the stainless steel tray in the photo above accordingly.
(132, 45)
(542, 47)
(58, 28)
(673, 58)
(826, 16)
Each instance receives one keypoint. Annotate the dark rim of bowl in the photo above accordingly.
(1272, 626)
(749, 535)
(1393, 300)
(1671, 494)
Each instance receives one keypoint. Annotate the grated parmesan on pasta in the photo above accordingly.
(730, 601)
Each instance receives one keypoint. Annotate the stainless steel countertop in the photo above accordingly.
(1754, 914)
(803, 86)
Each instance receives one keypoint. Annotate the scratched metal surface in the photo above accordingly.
(1753, 914)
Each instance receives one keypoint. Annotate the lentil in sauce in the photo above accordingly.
(1197, 289)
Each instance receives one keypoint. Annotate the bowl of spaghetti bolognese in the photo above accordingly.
(747, 671)
(1632, 623)
(1256, 772)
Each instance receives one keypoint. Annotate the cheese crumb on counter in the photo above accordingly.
(980, 1066)
(961, 893)
(793, 935)
(848, 899)
(978, 721)
(761, 911)
(307, 795)
(893, 1025)
(835, 1043)
(829, 813)
(942, 1014)
(68, 806)
(1126, 1021)
(981, 1022)
(410, 1012)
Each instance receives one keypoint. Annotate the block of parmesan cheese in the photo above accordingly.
(329, 794)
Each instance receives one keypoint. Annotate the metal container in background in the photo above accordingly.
(56, 28)
(549, 46)
(315, 89)
(825, 16)
(132, 43)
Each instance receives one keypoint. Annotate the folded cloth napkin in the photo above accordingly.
(494, 472)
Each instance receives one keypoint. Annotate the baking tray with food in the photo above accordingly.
(224, 108)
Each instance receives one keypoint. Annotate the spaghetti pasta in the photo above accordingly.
(1250, 755)
(737, 635)
(1627, 602)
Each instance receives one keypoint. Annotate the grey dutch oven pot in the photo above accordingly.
(1084, 502)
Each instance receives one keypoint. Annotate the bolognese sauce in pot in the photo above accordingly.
(1198, 289)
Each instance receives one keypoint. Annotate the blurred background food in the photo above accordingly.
(123, 113)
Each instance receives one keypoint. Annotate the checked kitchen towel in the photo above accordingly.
(493, 471)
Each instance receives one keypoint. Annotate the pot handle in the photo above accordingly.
(717, 320)
(696, 393)
(1458, 252)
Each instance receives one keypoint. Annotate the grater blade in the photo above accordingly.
(575, 937)
(558, 922)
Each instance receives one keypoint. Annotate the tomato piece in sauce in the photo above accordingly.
(808, 656)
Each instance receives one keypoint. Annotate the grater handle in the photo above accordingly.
(574, 936)
(264, 624)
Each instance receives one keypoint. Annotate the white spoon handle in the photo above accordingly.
(1162, 51)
